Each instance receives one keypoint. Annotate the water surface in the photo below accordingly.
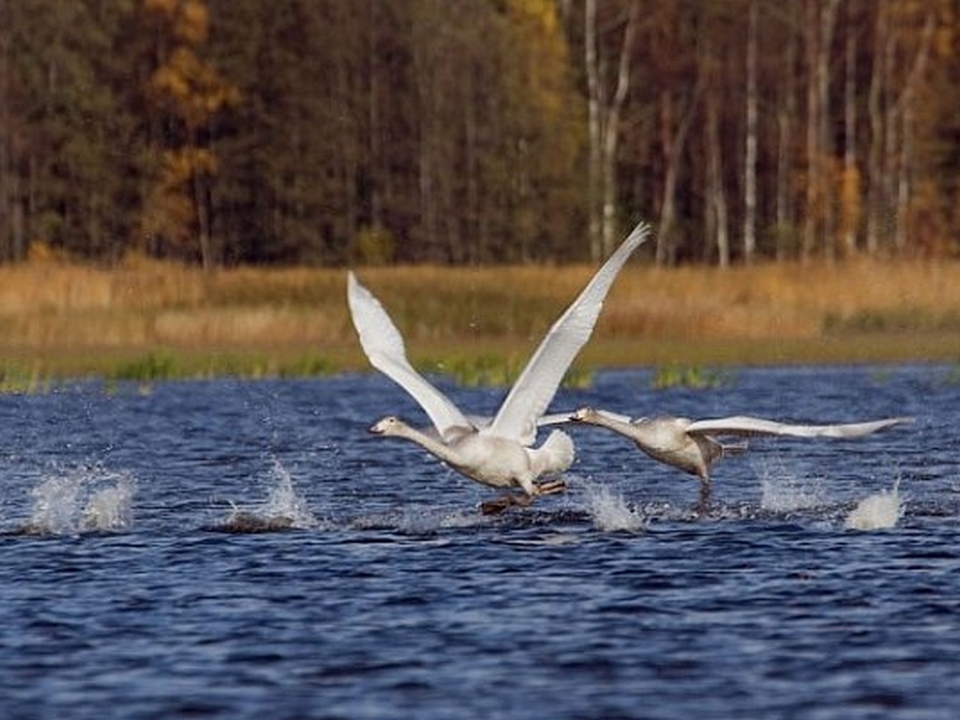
(388, 595)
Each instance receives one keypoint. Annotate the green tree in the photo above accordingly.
(67, 132)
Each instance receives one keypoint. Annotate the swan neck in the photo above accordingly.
(427, 442)
(614, 424)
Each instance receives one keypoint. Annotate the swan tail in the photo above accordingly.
(555, 455)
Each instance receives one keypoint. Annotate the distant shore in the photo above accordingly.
(150, 320)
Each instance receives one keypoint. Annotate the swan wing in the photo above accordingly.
(384, 347)
(534, 389)
(745, 426)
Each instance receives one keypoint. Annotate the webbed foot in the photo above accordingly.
(504, 502)
(551, 487)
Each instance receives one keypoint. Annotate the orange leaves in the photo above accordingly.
(187, 92)
(181, 164)
(190, 88)
(189, 19)
(184, 84)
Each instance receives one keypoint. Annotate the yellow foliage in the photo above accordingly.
(851, 202)
(192, 87)
(541, 52)
(189, 19)
(180, 165)
(41, 252)
(161, 7)
(192, 23)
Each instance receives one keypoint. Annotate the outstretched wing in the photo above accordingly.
(538, 383)
(383, 345)
(745, 426)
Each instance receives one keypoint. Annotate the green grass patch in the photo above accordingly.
(694, 377)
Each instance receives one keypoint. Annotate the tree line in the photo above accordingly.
(223, 132)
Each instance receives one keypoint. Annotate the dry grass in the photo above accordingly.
(58, 319)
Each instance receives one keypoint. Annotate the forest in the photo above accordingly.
(467, 132)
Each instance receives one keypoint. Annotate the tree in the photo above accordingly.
(186, 93)
(603, 125)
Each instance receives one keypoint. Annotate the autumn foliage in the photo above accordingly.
(226, 132)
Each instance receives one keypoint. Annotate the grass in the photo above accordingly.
(149, 321)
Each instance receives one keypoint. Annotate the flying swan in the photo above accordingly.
(498, 453)
(693, 445)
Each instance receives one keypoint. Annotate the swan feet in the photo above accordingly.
(505, 502)
(551, 487)
(703, 504)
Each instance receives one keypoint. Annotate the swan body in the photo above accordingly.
(499, 453)
(694, 446)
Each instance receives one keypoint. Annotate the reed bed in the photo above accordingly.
(59, 320)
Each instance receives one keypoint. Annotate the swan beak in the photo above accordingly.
(375, 429)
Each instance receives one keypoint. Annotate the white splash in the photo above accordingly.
(55, 506)
(82, 501)
(284, 506)
(782, 492)
(610, 512)
(879, 511)
(285, 501)
(110, 509)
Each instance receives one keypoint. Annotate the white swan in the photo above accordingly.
(497, 453)
(692, 445)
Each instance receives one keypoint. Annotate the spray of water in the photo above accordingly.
(81, 501)
(878, 511)
(783, 492)
(284, 508)
(110, 509)
(610, 512)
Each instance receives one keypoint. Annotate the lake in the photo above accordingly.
(382, 592)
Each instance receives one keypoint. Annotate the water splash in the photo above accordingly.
(610, 512)
(879, 511)
(783, 492)
(284, 508)
(86, 500)
(110, 509)
(285, 501)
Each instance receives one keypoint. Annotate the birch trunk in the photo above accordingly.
(717, 200)
(593, 125)
(603, 128)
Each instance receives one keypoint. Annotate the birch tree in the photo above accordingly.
(604, 108)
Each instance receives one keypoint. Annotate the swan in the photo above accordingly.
(498, 453)
(693, 445)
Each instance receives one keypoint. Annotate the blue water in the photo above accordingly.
(392, 597)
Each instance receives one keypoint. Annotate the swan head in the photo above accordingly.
(585, 415)
(390, 425)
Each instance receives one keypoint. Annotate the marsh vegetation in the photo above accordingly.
(151, 320)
